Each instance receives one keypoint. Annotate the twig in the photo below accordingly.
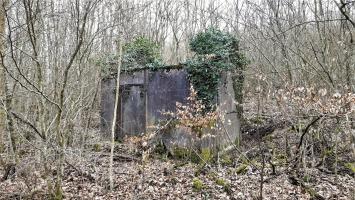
(28, 123)
(81, 173)
(305, 131)
(123, 157)
(296, 181)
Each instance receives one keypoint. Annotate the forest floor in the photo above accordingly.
(159, 177)
(234, 175)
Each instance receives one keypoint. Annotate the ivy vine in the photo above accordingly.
(139, 53)
(216, 51)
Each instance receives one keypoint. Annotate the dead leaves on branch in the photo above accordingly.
(320, 102)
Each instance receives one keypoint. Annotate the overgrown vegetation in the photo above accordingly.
(193, 115)
(216, 52)
(139, 53)
(298, 99)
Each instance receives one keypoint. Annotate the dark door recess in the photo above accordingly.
(132, 106)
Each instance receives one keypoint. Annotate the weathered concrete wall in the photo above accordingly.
(143, 98)
(134, 78)
(165, 88)
(142, 102)
(107, 104)
(227, 106)
(227, 132)
(108, 99)
(131, 112)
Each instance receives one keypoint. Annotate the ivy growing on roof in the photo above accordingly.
(216, 51)
(141, 52)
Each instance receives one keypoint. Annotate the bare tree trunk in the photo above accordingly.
(6, 121)
(113, 129)
(2, 80)
(61, 138)
(348, 28)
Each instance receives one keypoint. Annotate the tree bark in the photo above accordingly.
(60, 135)
(2, 81)
(6, 121)
(113, 128)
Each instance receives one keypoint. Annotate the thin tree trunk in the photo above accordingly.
(61, 139)
(113, 129)
(6, 121)
(2, 80)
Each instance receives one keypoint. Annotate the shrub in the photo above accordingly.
(216, 51)
(193, 115)
(141, 52)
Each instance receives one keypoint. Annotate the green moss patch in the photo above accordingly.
(197, 184)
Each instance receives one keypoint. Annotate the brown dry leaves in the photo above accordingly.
(193, 114)
(168, 179)
(309, 100)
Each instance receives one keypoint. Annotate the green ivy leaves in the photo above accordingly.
(141, 52)
(213, 41)
(216, 51)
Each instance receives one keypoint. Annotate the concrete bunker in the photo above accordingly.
(145, 93)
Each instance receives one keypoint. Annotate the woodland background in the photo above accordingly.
(299, 79)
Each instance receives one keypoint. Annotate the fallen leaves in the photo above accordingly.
(159, 179)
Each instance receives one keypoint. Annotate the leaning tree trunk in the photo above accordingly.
(113, 128)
